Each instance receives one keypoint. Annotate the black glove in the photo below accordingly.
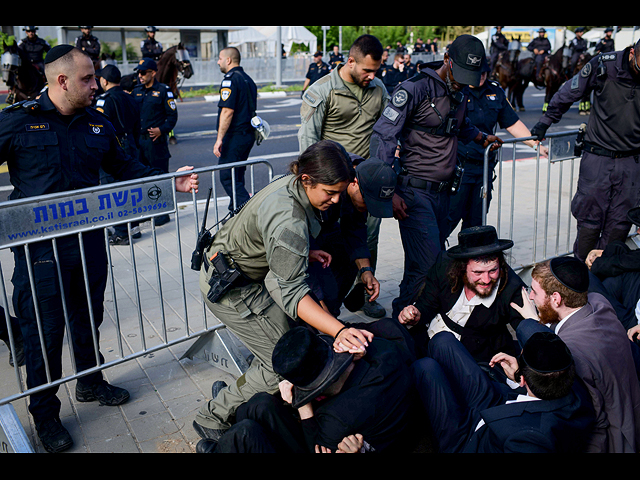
(539, 131)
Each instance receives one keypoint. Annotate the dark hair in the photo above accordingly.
(234, 54)
(366, 45)
(326, 163)
(547, 386)
(458, 270)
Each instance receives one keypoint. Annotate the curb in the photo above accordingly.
(216, 98)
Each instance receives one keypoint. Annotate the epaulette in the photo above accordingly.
(30, 106)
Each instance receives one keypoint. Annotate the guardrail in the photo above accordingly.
(24, 223)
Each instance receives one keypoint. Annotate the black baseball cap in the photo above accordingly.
(466, 54)
(378, 183)
(110, 73)
(147, 64)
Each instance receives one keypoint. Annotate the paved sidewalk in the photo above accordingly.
(166, 392)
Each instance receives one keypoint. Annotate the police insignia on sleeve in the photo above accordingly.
(225, 93)
(400, 99)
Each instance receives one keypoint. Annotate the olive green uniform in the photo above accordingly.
(269, 242)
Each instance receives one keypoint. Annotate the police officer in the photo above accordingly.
(607, 44)
(340, 254)
(578, 47)
(336, 57)
(158, 115)
(268, 241)
(609, 170)
(124, 113)
(236, 136)
(499, 44)
(317, 70)
(35, 47)
(426, 117)
(66, 151)
(487, 108)
(150, 47)
(89, 44)
(541, 48)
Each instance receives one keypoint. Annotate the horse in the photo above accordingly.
(23, 78)
(550, 77)
(174, 67)
(505, 70)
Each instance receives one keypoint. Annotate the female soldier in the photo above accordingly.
(268, 242)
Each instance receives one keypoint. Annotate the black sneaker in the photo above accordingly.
(107, 395)
(54, 437)
(117, 241)
(208, 433)
(206, 446)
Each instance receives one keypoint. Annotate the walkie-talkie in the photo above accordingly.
(204, 239)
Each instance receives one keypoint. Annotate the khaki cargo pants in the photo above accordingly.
(251, 314)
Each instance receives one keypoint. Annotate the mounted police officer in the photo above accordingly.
(425, 119)
(35, 47)
(578, 47)
(499, 44)
(89, 43)
(607, 44)
(541, 48)
(609, 171)
(151, 48)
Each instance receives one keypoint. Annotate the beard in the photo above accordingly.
(548, 316)
(485, 293)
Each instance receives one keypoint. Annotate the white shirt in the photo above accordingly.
(461, 312)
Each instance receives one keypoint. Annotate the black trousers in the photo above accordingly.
(45, 405)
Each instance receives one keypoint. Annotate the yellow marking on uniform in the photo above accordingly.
(4, 169)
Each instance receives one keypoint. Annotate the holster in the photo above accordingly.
(223, 278)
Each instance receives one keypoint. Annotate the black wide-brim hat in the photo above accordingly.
(309, 362)
(478, 242)
(634, 216)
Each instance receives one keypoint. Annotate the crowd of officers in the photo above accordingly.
(306, 245)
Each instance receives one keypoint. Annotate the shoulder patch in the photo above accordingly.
(400, 98)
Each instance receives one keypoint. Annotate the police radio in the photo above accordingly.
(204, 239)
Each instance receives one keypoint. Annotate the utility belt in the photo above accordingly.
(222, 277)
(603, 152)
(451, 187)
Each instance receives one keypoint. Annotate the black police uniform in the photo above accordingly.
(151, 48)
(49, 153)
(427, 121)
(543, 45)
(499, 44)
(487, 107)
(124, 113)
(578, 47)
(316, 72)
(239, 93)
(35, 50)
(606, 45)
(158, 109)
(335, 60)
(610, 166)
(90, 45)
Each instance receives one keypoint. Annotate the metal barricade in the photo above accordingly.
(158, 302)
(538, 205)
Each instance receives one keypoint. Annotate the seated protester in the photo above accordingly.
(340, 255)
(469, 413)
(469, 292)
(337, 398)
(587, 323)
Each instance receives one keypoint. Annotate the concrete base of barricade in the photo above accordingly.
(222, 350)
(13, 438)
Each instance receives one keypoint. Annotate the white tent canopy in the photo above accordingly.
(269, 35)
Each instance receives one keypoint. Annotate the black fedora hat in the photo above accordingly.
(478, 242)
(309, 362)
(634, 216)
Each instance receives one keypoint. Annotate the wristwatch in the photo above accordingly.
(364, 270)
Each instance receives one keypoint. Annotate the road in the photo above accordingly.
(197, 124)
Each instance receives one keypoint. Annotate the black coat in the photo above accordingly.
(486, 333)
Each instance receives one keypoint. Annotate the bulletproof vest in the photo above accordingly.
(615, 115)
